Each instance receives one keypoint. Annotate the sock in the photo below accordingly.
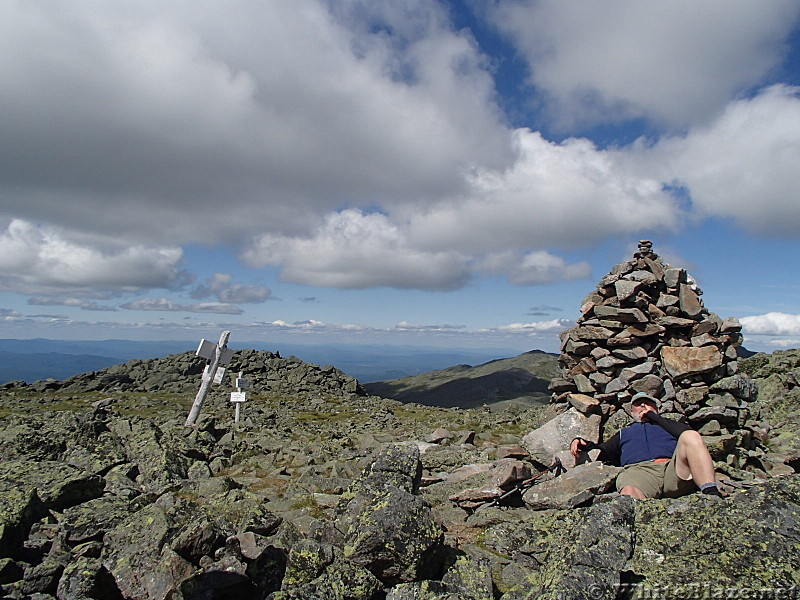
(710, 488)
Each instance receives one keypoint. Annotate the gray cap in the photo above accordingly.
(645, 397)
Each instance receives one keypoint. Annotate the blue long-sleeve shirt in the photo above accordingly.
(640, 442)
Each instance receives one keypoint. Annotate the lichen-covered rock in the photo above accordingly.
(20, 507)
(86, 579)
(57, 484)
(138, 556)
(90, 520)
(750, 540)
(317, 570)
(568, 555)
(384, 526)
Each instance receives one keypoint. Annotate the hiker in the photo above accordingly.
(662, 458)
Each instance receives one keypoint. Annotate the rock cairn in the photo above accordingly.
(645, 329)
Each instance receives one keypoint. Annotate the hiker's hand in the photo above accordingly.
(577, 446)
(644, 412)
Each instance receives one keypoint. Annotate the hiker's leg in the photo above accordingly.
(641, 480)
(633, 492)
(692, 460)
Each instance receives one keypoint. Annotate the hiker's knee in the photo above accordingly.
(632, 491)
(692, 439)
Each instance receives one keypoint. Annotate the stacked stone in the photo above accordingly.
(645, 329)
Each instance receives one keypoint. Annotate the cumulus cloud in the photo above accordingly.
(773, 323)
(157, 114)
(167, 305)
(675, 62)
(81, 303)
(357, 250)
(221, 286)
(551, 326)
(534, 268)
(43, 259)
(551, 188)
(741, 165)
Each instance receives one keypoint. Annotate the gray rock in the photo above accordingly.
(384, 526)
(316, 570)
(20, 507)
(57, 485)
(740, 386)
(674, 277)
(576, 553)
(683, 362)
(575, 487)
(555, 435)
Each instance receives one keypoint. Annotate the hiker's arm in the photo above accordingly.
(609, 450)
(674, 428)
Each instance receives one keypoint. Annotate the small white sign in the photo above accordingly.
(225, 355)
(218, 376)
(238, 397)
(206, 349)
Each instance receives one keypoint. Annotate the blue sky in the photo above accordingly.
(442, 173)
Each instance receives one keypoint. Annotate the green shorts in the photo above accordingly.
(655, 479)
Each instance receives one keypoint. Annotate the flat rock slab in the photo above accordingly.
(686, 361)
(573, 488)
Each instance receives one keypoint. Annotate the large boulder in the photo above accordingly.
(568, 555)
(552, 439)
(385, 526)
(57, 484)
(319, 570)
(750, 541)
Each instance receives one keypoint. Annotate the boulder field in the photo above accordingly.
(328, 493)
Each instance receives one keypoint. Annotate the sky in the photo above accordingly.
(455, 173)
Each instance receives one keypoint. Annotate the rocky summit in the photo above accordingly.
(324, 492)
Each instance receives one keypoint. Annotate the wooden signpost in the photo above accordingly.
(239, 397)
(218, 355)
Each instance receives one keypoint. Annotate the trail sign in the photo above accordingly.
(217, 355)
(238, 397)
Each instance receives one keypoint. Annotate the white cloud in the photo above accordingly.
(743, 164)
(534, 268)
(170, 122)
(676, 62)
(356, 250)
(406, 326)
(773, 323)
(166, 305)
(551, 189)
(50, 260)
(81, 303)
(551, 326)
(222, 287)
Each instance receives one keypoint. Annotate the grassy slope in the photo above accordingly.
(522, 379)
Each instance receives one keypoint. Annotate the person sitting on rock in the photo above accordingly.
(661, 458)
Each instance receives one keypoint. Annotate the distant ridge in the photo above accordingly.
(36, 359)
(523, 379)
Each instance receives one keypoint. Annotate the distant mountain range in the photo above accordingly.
(37, 359)
(522, 379)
